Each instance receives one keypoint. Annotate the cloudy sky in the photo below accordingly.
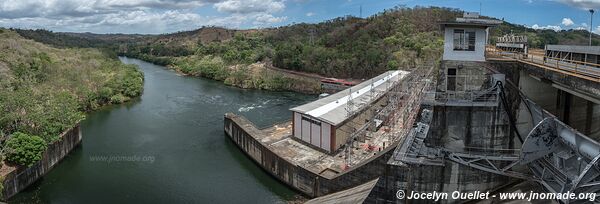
(161, 16)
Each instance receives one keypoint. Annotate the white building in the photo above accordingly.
(465, 38)
(326, 123)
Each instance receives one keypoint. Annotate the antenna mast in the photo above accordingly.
(360, 11)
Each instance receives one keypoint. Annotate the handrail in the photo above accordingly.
(472, 96)
(581, 69)
(570, 64)
(576, 62)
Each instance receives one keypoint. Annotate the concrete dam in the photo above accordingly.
(486, 119)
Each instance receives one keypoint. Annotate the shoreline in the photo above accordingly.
(304, 88)
(16, 178)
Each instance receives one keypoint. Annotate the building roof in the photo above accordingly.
(333, 109)
(471, 22)
(595, 50)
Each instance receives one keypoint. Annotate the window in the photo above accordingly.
(464, 40)
(451, 72)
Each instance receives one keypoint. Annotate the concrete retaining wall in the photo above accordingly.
(453, 128)
(19, 178)
(240, 130)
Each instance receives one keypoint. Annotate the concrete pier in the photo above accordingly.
(17, 178)
(306, 170)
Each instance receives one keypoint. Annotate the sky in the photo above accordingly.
(166, 16)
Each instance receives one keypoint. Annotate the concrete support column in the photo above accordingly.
(563, 106)
(567, 107)
(589, 115)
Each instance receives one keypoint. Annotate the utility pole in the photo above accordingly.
(360, 11)
(591, 26)
(311, 33)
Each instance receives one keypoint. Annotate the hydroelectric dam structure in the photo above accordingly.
(487, 118)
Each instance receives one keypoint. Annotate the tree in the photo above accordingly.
(24, 149)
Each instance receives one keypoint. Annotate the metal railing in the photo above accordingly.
(580, 69)
(486, 96)
(473, 96)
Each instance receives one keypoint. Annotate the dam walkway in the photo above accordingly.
(576, 68)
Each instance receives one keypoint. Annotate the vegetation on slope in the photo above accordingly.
(45, 91)
(25, 149)
(540, 38)
(345, 47)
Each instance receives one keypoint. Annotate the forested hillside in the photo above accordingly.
(345, 47)
(46, 90)
(539, 38)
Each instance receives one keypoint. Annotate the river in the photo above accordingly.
(168, 146)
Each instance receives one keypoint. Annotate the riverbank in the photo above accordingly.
(45, 91)
(257, 75)
(177, 122)
(15, 178)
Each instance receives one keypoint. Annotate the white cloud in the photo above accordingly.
(250, 6)
(583, 4)
(136, 16)
(309, 14)
(77, 8)
(260, 12)
(262, 19)
(567, 22)
(583, 26)
(548, 27)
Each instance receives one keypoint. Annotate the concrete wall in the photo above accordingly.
(20, 178)
(311, 184)
(470, 75)
(460, 129)
(580, 114)
(477, 55)
(426, 178)
(584, 116)
(588, 87)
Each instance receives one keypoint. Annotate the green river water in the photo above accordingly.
(168, 146)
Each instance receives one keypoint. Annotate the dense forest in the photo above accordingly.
(344, 47)
(46, 90)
